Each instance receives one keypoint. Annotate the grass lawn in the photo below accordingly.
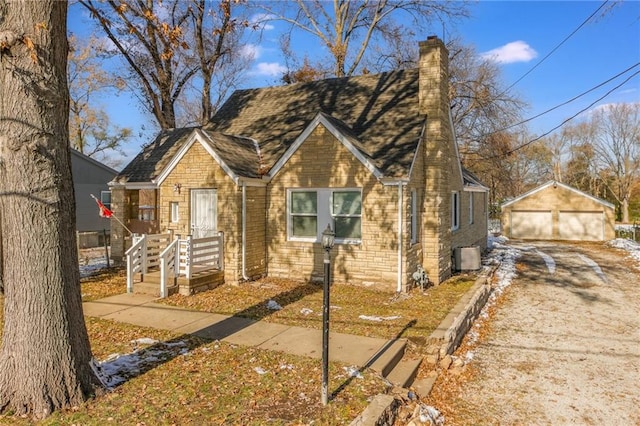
(211, 382)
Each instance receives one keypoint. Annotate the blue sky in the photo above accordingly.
(516, 33)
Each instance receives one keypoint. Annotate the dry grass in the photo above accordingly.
(418, 313)
(216, 382)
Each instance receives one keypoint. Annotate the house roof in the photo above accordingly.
(557, 184)
(155, 156)
(78, 154)
(377, 114)
(472, 182)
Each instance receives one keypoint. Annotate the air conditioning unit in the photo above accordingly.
(467, 258)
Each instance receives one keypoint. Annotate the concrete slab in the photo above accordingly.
(297, 341)
(110, 305)
(201, 324)
(157, 316)
(356, 350)
(220, 330)
(257, 334)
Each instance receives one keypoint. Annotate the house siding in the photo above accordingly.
(414, 251)
(198, 170)
(323, 162)
(558, 200)
(472, 234)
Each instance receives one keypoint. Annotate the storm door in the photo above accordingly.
(204, 213)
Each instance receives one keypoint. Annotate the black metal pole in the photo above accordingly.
(325, 327)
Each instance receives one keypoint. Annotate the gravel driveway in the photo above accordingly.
(562, 346)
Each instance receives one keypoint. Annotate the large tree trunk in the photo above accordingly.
(45, 354)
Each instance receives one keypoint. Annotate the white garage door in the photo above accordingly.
(531, 225)
(583, 226)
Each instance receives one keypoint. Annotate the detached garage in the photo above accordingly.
(555, 211)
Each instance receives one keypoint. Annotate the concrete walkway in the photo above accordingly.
(141, 310)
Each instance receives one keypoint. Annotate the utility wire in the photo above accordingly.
(563, 103)
(564, 122)
(558, 46)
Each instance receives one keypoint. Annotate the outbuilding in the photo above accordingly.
(556, 211)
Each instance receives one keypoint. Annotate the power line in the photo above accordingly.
(558, 46)
(563, 103)
(565, 121)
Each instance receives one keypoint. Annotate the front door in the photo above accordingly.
(204, 213)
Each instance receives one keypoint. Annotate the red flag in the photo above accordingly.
(104, 212)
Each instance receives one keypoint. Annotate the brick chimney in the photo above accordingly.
(438, 143)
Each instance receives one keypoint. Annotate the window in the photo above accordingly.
(105, 198)
(455, 210)
(309, 211)
(414, 216)
(147, 213)
(175, 212)
(347, 214)
(470, 208)
(304, 214)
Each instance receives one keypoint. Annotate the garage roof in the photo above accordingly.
(562, 185)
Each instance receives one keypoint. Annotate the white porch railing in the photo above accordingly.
(201, 255)
(168, 261)
(177, 258)
(136, 259)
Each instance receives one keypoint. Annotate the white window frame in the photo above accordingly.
(174, 209)
(470, 208)
(290, 215)
(455, 210)
(324, 214)
(414, 216)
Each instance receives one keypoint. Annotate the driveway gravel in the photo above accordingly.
(561, 347)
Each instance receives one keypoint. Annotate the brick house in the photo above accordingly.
(374, 156)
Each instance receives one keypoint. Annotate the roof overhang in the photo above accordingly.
(561, 185)
(320, 119)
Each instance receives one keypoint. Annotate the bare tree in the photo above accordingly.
(149, 36)
(90, 129)
(616, 143)
(45, 357)
(480, 103)
(349, 30)
(216, 37)
(165, 45)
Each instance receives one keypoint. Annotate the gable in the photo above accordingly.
(559, 192)
(238, 157)
(323, 161)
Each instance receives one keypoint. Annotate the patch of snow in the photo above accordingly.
(594, 265)
(378, 319)
(92, 266)
(353, 371)
(551, 264)
(117, 368)
(630, 246)
(306, 311)
(144, 341)
(273, 305)
(430, 415)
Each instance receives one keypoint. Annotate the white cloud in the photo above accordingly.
(516, 51)
(250, 51)
(261, 20)
(270, 69)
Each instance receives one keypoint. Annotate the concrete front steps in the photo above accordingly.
(392, 365)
